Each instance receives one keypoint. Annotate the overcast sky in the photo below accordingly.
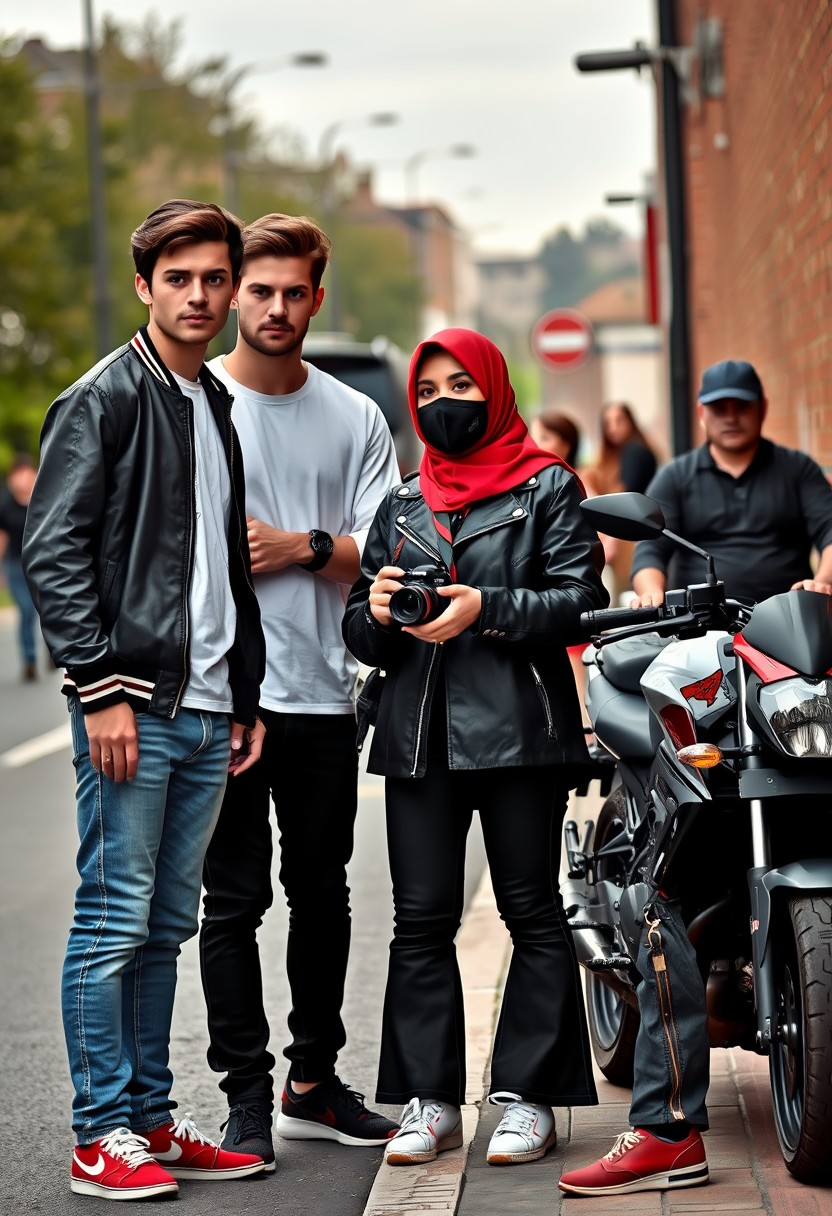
(498, 76)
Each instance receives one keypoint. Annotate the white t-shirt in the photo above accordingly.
(321, 457)
(212, 613)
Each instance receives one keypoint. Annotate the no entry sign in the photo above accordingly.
(562, 340)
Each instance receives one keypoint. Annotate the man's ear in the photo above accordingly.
(237, 286)
(319, 299)
(763, 409)
(143, 290)
(700, 414)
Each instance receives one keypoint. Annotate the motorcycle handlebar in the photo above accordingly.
(612, 618)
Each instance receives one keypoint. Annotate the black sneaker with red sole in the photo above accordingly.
(332, 1111)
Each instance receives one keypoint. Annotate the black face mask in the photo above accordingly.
(453, 426)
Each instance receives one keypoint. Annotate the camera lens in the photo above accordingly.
(412, 605)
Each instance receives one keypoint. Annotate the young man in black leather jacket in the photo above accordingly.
(136, 553)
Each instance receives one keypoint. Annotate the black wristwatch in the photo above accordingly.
(322, 547)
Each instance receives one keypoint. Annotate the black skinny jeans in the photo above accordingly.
(309, 767)
(541, 1050)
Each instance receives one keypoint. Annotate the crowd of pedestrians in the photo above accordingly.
(209, 587)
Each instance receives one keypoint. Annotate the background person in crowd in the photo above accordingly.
(477, 712)
(13, 506)
(758, 508)
(140, 570)
(555, 432)
(319, 458)
(625, 462)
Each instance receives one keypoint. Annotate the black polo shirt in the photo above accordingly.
(759, 527)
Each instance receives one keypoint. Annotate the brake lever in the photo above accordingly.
(664, 628)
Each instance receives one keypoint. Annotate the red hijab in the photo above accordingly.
(504, 457)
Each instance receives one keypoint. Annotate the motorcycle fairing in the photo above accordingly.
(794, 629)
(688, 680)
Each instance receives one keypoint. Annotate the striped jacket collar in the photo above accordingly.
(143, 346)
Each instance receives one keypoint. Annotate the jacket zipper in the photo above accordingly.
(657, 958)
(420, 544)
(421, 718)
(187, 640)
(544, 699)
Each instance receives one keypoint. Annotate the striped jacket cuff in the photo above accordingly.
(96, 689)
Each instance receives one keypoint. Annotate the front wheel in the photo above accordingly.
(800, 1064)
(613, 1023)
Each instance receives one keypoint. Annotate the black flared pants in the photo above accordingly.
(541, 1050)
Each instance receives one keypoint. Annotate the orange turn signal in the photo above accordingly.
(700, 755)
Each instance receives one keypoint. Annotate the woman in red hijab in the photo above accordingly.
(474, 576)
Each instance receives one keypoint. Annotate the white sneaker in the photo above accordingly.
(427, 1128)
(524, 1133)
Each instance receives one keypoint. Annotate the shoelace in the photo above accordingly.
(518, 1118)
(128, 1147)
(417, 1112)
(253, 1122)
(188, 1130)
(623, 1144)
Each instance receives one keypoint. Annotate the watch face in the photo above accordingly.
(321, 543)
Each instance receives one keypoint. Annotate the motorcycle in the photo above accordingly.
(712, 725)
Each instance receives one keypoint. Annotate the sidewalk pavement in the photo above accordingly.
(746, 1168)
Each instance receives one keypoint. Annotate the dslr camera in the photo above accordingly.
(417, 602)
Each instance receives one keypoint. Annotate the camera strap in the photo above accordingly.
(442, 523)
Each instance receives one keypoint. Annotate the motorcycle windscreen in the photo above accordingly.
(795, 629)
(799, 713)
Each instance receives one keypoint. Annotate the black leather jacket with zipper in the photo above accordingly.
(109, 542)
(510, 696)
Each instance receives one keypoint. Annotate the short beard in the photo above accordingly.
(262, 344)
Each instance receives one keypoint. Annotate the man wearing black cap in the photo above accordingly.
(757, 507)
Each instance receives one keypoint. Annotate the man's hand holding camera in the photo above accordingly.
(421, 611)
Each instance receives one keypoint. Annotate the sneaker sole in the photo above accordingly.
(533, 1154)
(239, 1171)
(306, 1129)
(79, 1187)
(402, 1158)
(671, 1181)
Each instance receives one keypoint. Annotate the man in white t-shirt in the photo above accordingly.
(319, 458)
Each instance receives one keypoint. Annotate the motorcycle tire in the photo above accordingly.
(613, 1023)
(800, 1062)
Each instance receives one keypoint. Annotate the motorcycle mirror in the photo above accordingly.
(625, 516)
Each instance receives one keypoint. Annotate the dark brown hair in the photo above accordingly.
(288, 236)
(560, 424)
(183, 221)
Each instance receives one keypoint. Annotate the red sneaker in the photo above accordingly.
(118, 1167)
(186, 1153)
(639, 1161)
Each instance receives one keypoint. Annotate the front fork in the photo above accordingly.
(765, 994)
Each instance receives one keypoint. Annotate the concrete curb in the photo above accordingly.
(483, 948)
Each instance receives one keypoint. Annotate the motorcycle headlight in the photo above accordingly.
(800, 714)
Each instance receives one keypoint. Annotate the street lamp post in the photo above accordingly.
(689, 74)
(415, 162)
(95, 179)
(303, 59)
(326, 148)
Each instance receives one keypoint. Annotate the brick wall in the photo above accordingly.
(760, 209)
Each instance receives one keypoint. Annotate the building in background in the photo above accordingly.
(758, 192)
(439, 250)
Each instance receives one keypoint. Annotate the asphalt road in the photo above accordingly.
(37, 883)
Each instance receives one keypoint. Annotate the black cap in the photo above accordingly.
(730, 378)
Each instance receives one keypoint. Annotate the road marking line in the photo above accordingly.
(35, 749)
